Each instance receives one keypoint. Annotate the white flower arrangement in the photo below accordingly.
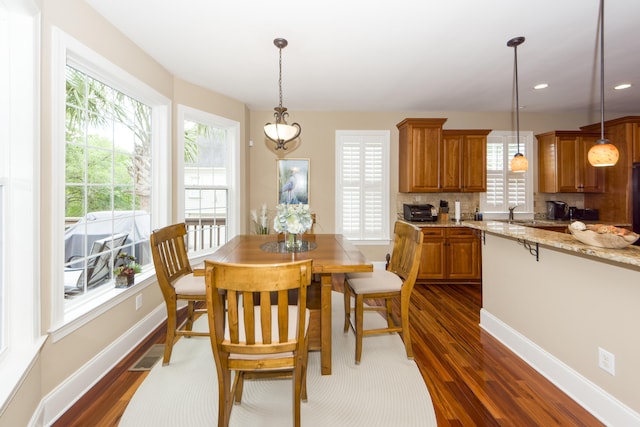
(261, 223)
(295, 219)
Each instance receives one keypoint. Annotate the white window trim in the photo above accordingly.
(20, 177)
(522, 212)
(340, 134)
(233, 155)
(67, 50)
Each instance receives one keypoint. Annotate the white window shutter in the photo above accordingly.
(362, 185)
(506, 188)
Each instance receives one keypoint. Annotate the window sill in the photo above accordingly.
(91, 309)
(13, 369)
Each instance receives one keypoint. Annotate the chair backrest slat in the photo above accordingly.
(253, 324)
(170, 255)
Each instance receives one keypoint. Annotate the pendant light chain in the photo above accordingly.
(602, 70)
(280, 77)
(515, 56)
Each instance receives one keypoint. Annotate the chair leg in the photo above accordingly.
(390, 322)
(171, 331)
(224, 397)
(238, 387)
(190, 311)
(347, 307)
(297, 387)
(304, 363)
(359, 326)
(406, 331)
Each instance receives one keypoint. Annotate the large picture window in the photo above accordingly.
(107, 181)
(110, 144)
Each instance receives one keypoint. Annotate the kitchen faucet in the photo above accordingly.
(511, 212)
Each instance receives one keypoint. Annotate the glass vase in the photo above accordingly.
(292, 242)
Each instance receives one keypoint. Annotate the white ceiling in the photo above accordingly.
(402, 55)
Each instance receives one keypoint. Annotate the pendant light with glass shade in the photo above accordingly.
(280, 132)
(603, 153)
(519, 163)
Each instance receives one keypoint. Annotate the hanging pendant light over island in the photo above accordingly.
(519, 163)
(603, 153)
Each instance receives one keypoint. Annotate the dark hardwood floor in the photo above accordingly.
(472, 378)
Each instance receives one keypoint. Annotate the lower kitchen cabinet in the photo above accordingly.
(450, 254)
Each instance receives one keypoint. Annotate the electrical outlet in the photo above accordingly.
(607, 361)
(138, 301)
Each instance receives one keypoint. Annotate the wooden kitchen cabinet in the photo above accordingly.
(635, 138)
(463, 165)
(450, 254)
(437, 160)
(419, 155)
(563, 166)
(615, 204)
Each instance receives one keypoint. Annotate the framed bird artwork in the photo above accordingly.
(293, 181)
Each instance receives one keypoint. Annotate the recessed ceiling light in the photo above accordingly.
(541, 86)
(623, 86)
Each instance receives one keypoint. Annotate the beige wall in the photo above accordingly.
(569, 305)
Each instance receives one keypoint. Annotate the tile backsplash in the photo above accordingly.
(470, 201)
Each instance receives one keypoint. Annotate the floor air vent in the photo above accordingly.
(149, 359)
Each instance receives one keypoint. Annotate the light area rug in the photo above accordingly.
(386, 389)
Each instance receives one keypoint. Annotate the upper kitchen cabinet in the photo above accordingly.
(463, 163)
(419, 155)
(563, 165)
(437, 160)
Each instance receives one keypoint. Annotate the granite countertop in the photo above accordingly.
(529, 223)
(629, 255)
(436, 224)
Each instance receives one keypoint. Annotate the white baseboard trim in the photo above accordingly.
(594, 399)
(59, 400)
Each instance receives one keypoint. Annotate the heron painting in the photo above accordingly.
(293, 181)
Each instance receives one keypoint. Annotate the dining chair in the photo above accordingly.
(178, 282)
(257, 340)
(397, 280)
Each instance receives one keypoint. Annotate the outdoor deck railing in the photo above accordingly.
(202, 233)
(205, 233)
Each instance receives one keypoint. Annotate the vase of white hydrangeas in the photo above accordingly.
(292, 220)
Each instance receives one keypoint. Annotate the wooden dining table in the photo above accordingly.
(331, 254)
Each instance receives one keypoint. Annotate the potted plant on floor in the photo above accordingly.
(125, 270)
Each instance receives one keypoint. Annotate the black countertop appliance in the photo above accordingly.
(557, 210)
(420, 213)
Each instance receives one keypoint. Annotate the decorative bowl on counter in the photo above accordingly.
(604, 240)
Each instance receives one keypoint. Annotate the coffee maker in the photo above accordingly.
(557, 210)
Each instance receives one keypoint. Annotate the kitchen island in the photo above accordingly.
(556, 302)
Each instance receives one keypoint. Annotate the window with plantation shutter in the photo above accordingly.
(362, 185)
(505, 188)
